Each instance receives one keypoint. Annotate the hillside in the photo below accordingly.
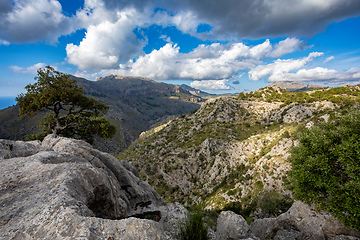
(136, 104)
(232, 152)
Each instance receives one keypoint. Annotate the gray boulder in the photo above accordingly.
(231, 226)
(64, 189)
(302, 222)
(173, 216)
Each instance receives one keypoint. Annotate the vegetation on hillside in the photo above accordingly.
(232, 154)
(346, 95)
(326, 167)
(70, 112)
(191, 159)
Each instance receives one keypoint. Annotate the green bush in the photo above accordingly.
(194, 228)
(273, 203)
(326, 167)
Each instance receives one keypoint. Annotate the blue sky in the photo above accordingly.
(217, 46)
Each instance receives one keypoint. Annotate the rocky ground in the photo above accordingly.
(64, 189)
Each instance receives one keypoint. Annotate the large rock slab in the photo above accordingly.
(64, 189)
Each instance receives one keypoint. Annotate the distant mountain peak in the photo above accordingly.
(113, 76)
(293, 86)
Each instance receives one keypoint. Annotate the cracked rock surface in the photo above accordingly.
(64, 189)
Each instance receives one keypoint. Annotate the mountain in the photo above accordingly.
(293, 86)
(198, 92)
(232, 152)
(136, 104)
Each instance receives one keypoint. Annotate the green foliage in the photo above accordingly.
(273, 203)
(286, 134)
(245, 208)
(70, 112)
(194, 228)
(326, 167)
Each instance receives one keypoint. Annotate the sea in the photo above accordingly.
(6, 102)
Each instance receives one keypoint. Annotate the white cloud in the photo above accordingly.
(107, 44)
(206, 62)
(3, 42)
(288, 45)
(294, 70)
(94, 12)
(210, 85)
(328, 76)
(32, 21)
(259, 51)
(276, 70)
(329, 59)
(210, 62)
(28, 70)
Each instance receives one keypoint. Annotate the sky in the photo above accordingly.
(226, 46)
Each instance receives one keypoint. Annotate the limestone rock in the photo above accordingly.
(172, 216)
(65, 189)
(11, 149)
(231, 226)
(302, 222)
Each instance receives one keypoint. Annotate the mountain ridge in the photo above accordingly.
(294, 86)
(136, 104)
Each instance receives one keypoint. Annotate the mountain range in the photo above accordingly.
(223, 153)
(136, 105)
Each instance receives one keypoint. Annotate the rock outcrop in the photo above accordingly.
(64, 189)
(299, 222)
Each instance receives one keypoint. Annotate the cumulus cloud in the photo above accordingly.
(324, 75)
(295, 70)
(107, 44)
(288, 45)
(28, 70)
(276, 70)
(25, 21)
(210, 85)
(206, 62)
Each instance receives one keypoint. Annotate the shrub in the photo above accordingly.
(194, 228)
(326, 167)
(273, 203)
